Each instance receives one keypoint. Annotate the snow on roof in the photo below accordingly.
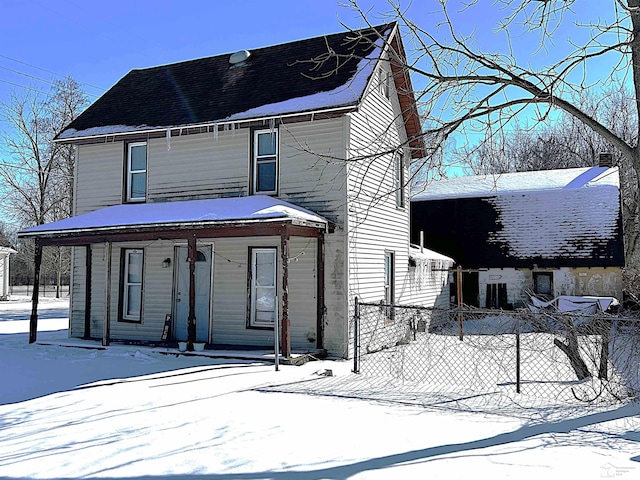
(7, 250)
(426, 254)
(344, 95)
(554, 224)
(209, 211)
(510, 183)
(207, 91)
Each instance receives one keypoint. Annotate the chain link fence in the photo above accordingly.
(45, 290)
(549, 354)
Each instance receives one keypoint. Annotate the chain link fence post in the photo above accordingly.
(517, 354)
(356, 335)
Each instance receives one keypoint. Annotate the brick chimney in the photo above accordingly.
(605, 160)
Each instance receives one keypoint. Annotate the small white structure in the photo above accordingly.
(5, 252)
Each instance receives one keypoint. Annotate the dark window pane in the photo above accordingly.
(139, 157)
(135, 268)
(138, 185)
(134, 298)
(266, 144)
(265, 269)
(543, 283)
(266, 177)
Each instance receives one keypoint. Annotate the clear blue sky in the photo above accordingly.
(98, 42)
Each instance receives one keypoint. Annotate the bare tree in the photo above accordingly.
(569, 143)
(38, 173)
(467, 87)
(486, 90)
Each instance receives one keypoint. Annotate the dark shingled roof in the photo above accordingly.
(553, 218)
(209, 89)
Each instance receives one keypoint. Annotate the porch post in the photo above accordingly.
(284, 248)
(191, 320)
(106, 334)
(87, 292)
(33, 320)
(320, 293)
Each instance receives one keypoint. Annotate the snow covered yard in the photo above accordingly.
(133, 413)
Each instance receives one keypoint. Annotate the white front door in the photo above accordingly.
(203, 293)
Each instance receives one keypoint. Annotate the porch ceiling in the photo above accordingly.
(220, 217)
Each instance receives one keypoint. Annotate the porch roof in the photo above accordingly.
(130, 219)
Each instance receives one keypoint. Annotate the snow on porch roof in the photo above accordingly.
(416, 253)
(210, 212)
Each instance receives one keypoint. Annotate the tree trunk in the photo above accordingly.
(33, 321)
(603, 328)
(572, 349)
(59, 273)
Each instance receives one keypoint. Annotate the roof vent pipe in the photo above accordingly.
(239, 57)
(605, 160)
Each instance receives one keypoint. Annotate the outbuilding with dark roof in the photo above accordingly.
(552, 232)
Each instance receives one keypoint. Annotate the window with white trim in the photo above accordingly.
(400, 180)
(389, 284)
(133, 260)
(136, 172)
(265, 161)
(263, 289)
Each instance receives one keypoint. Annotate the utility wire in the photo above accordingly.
(48, 71)
(25, 87)
(39, 79)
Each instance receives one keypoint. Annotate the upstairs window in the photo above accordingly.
(136, 172)
(265, 161)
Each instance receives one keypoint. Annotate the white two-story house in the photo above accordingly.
(216, 195)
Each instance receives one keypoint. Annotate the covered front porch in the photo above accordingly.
(218, 271)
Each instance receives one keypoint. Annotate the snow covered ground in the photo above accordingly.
(131, 412)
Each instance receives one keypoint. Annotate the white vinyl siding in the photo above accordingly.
(156, 296)
(205, 165)
(77, 304)
(200, 166)
(376, 224)
(230, 296)
(313, 166)
(99, 172)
